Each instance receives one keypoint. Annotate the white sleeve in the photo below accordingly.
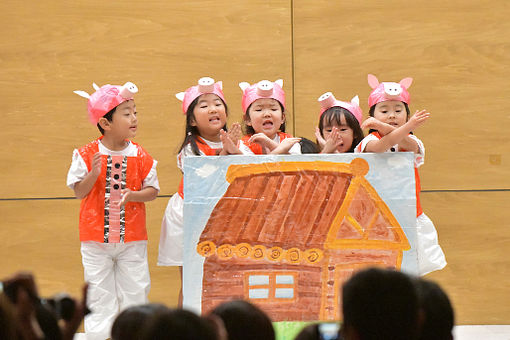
(363, 144)
(245, 150)
(295, 149)
(151, 180)
(185, 152)
(419, 157)
(77, 171)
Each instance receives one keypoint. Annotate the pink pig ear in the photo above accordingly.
(373, 81)
(220, 84)
(406, 82)
(355, 100)
(279, 82)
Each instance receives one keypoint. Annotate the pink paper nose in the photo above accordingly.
(327, 100)
(128, 90)
(206, 85)
(265, 88)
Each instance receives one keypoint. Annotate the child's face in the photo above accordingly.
(209, 116)
(124, 121)
(345, 133)
(392, 112)
(265, 115)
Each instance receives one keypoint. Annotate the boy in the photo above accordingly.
(113, 176)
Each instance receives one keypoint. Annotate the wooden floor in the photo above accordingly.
(456, 51)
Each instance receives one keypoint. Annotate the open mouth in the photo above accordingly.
(267, 124)
(214, 119)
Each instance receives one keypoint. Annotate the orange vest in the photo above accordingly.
(208, 151)
(419, 210)
(257, 148)
(100, 219)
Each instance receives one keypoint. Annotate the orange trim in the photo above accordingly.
(206, 248)
(241, 170)
(225, 252)
(243, 250)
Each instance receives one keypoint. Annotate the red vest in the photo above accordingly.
(208, 151)
(257, 148)
(419, 210)
(100, 219)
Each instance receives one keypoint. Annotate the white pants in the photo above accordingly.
(171, 239)
(118, 277)
(430, 254)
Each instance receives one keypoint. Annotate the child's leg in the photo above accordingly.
(102, 298)
(430, 254)
(179, 301)
(132, 277)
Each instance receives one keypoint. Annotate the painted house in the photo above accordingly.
(286, 235)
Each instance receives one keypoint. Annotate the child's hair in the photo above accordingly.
(380, 304)
(244, 321)
(192, 131)
(308, 146)
(177, 324)
(128, 324)
(372, 110)
(109, 117)
(439, 317)
(334, 115)
(248, 130)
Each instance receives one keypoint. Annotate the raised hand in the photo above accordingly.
(320, 140)
(229, 146)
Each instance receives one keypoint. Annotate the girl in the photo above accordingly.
(206, 116)
(391, 131)
(264, 116)
(339, 124)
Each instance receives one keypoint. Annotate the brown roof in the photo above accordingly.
(294, 205)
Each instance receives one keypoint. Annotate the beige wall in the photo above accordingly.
(456, 51)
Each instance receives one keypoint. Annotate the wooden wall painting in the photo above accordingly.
(285, 232)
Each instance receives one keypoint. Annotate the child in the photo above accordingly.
(206, 117)
(339, 124)
(113, 176)
(264, 116)
(391, 130)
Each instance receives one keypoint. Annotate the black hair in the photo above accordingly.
(439, 317)
(380, 304)
(177, 324)
(334, 115)
(128, 324)
(372, 110)
(109, 117)
(248, 130)
(244, 321)
(308, 146)
(192, 131)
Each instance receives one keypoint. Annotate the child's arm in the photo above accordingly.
(399, 134)
(285, 145)
(144, 195)
(82, 188)
(260, 138)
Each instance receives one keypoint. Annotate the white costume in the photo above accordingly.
(171, 237)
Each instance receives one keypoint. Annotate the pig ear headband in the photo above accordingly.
(262, 89)
(388, 90)
(205, 85)
(105, 98)
(328, 100)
